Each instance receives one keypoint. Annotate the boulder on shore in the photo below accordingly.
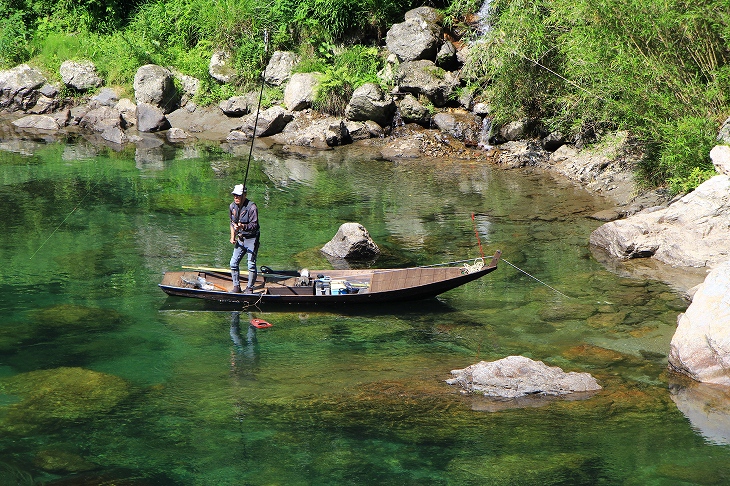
(700, 347)
(691, 232)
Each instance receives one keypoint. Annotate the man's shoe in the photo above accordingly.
(248, 290)
(236, 289)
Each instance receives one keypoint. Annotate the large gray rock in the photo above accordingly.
(691, 232)
(270, 121)
(424, 77)
(460, 124)
(239, 105)
(37, 122)
(720, 155)
(154, 85)
(352, 242)
(700, 347)
(151, 118)
(517, 376)
(105, 97)
(189, 85)
(412, 111)
(428, 14)
(300, 91)
(363, 130)
(128, 110)
(413, 39)
(309, 129)
(80, 75)
(605, 168)
(369, 102)
(101, 118)
(206, 123)
(280, 66)
(516, 130)
(43, 105)
(220, 67)
(19, 87)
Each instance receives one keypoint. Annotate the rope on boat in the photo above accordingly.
(474, 267)
(532, 276)
(444, 264)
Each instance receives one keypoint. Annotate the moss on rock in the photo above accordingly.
(50, 398)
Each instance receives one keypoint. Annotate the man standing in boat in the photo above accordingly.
(245, 234)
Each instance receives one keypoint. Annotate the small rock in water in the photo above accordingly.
(517, 376)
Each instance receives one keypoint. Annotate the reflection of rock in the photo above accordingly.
(49, 398)
(149, 158)
(681, 279)
(708, 409)
(494, 404)
(517, 376)
(79, 151)
(282, 170)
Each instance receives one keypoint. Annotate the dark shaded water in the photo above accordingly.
(105, 380)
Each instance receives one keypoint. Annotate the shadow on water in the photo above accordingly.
(427, 306)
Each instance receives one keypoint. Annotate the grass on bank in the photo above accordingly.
(656, 68)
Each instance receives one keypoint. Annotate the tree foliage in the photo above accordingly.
(656, 67)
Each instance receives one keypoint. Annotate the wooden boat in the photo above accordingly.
(329, 287)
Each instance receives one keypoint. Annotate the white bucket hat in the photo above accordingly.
(238, 190)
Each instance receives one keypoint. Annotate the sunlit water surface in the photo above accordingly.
(105, 380)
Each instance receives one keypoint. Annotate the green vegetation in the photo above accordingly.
(658, 69)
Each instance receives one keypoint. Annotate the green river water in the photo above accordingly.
(106, 380)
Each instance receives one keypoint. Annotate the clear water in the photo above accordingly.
(105, 380)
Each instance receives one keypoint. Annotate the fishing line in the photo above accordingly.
(562, 77)
(258, 109)
(532, 276)
(64, 220)
(479, 240)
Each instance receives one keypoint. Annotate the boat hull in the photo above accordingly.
(374, 286)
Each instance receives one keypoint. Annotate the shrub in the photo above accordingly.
(349, 70)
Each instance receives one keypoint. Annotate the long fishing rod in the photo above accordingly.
(258, 108)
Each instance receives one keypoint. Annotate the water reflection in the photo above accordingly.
(245, 352)
(343, 395)
(707, 407)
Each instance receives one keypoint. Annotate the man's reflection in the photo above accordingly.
(245, 352)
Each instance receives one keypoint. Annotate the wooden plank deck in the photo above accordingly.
(411, 277)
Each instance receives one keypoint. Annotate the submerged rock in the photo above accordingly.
(49, 398)
(517, 376)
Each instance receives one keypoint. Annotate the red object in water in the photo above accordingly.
(260, 323)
